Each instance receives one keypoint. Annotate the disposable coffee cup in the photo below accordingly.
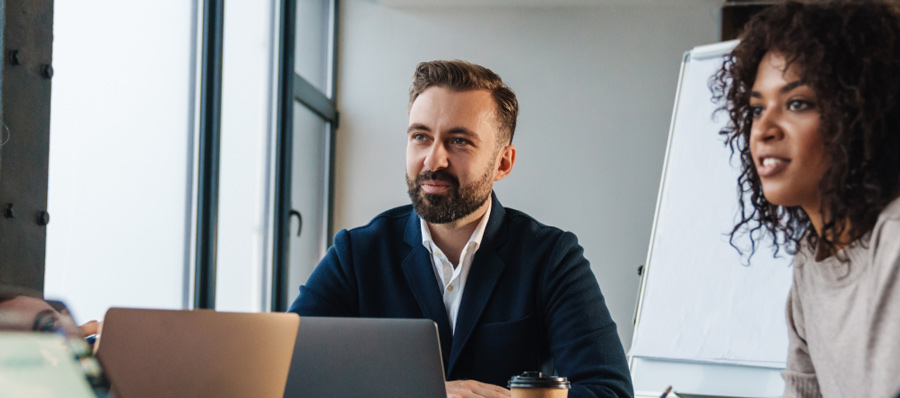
(537, 385)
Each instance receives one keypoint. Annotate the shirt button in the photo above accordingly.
(450, 288)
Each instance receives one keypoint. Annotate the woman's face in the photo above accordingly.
(23, 313)
(785, 141)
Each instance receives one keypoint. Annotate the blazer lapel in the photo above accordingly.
(418, 270)
(483, 277)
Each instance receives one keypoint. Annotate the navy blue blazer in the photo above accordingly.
(531, 301)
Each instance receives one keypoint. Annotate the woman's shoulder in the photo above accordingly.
(888, 225)
(885, 239)
(891, 212)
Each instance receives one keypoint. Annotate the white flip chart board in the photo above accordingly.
(707, 321)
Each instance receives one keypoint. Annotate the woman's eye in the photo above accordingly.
(798, 105)
(756, 111)
(44, 322)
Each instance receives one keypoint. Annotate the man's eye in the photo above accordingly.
(459, 141)
(418, 137)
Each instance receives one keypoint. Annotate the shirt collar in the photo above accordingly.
(476, 237)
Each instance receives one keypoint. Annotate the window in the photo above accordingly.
(305, 172)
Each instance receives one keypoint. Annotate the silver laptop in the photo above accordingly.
(199, 353)
(366, 357)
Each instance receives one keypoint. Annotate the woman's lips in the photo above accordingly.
(770, 166)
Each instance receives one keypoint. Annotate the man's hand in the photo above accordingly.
(474, 389)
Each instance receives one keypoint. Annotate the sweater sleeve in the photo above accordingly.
(799, 374)
(883, 346)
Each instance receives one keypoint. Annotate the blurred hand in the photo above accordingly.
(91, 327)
(474, 389)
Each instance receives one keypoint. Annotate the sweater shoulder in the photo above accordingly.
(891, 213)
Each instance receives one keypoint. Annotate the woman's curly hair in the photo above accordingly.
(848, 52)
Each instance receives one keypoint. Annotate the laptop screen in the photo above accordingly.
(199, 353)
(375, 358)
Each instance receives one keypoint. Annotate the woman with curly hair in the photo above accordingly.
(813, 97)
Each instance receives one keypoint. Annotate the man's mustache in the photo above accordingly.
(439, 175)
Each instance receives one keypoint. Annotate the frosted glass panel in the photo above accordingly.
(246, 163)
(121, 149)
(308, 194)
(313, 42)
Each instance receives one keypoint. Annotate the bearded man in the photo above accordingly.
(508, 293)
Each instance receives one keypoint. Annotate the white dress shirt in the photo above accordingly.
(453, 278)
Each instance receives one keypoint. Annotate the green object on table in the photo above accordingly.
(39, 365)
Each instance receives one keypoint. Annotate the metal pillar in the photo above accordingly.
(284, 145)
(27, 35)
(210, 128)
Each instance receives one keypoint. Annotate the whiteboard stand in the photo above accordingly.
(695, 295)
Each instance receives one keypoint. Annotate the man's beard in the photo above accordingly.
(454, 204)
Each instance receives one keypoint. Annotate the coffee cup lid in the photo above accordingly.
(537, 380)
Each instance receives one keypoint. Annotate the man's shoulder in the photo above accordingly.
(391, 225)
(387, 224)
(521, 225)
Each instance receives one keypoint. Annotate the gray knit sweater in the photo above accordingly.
(844, 318)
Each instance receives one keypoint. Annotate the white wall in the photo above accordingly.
(595, 86)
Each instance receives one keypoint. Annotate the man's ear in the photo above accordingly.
(507, 158)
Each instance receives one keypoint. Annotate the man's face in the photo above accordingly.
(452, 153)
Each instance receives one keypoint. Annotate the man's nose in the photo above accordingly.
(436, 158)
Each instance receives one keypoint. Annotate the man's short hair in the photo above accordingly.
(459, 75)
